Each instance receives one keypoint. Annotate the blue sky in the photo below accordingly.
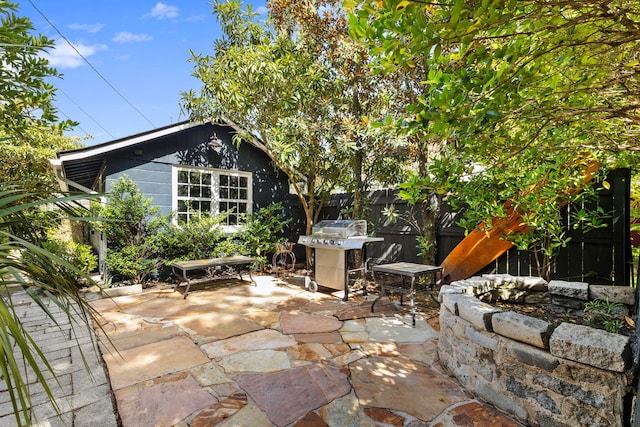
(140, 47)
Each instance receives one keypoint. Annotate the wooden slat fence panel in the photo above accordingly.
(587, 257)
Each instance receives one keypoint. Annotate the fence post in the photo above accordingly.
(621, 186)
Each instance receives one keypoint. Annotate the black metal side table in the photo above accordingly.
(404, 270)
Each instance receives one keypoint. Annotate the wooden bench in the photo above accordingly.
(223, 267)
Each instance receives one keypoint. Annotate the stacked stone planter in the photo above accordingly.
(565, 376)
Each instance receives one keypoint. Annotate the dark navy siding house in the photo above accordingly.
(179, 166)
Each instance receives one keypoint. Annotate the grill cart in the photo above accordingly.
(332, 242)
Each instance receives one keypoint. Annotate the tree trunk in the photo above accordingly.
(358, 205)
(310, 211)
(429, 214)
(358, 208)
(429, 209)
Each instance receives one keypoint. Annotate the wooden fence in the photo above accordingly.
(599, 256)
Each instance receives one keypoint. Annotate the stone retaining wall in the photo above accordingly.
(567, 376)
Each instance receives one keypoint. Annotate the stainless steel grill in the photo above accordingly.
(344, 244)
(332, 240)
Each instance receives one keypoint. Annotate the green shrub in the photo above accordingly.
(74, 261)
(194, 240)
(260, 232)
(129, 223)
(78, 254)
(141, 241)
(204, 237)
(134, 262)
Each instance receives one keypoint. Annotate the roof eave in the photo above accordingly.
(96, 150)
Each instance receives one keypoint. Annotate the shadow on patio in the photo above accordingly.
(232, 354)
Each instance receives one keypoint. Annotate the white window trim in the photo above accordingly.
(215, 187)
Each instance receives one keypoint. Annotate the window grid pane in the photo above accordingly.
(233, 193)
(195, 191)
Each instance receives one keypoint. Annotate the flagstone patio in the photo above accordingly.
(232, 354)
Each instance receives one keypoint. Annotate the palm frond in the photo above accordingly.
(44, 277)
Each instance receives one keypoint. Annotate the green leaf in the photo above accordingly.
(455, 13)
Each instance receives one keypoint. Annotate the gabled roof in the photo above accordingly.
(106, 147)
(81, 167)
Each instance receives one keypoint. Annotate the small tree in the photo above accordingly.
(129, 221)
(523, 90)
(270, 83)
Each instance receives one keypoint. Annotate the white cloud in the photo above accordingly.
(262, 10)
(89, 28)
(162, 11)
(127, 37)
(197, 18)
(64, 56)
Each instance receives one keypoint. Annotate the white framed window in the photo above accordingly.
(209, 190)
